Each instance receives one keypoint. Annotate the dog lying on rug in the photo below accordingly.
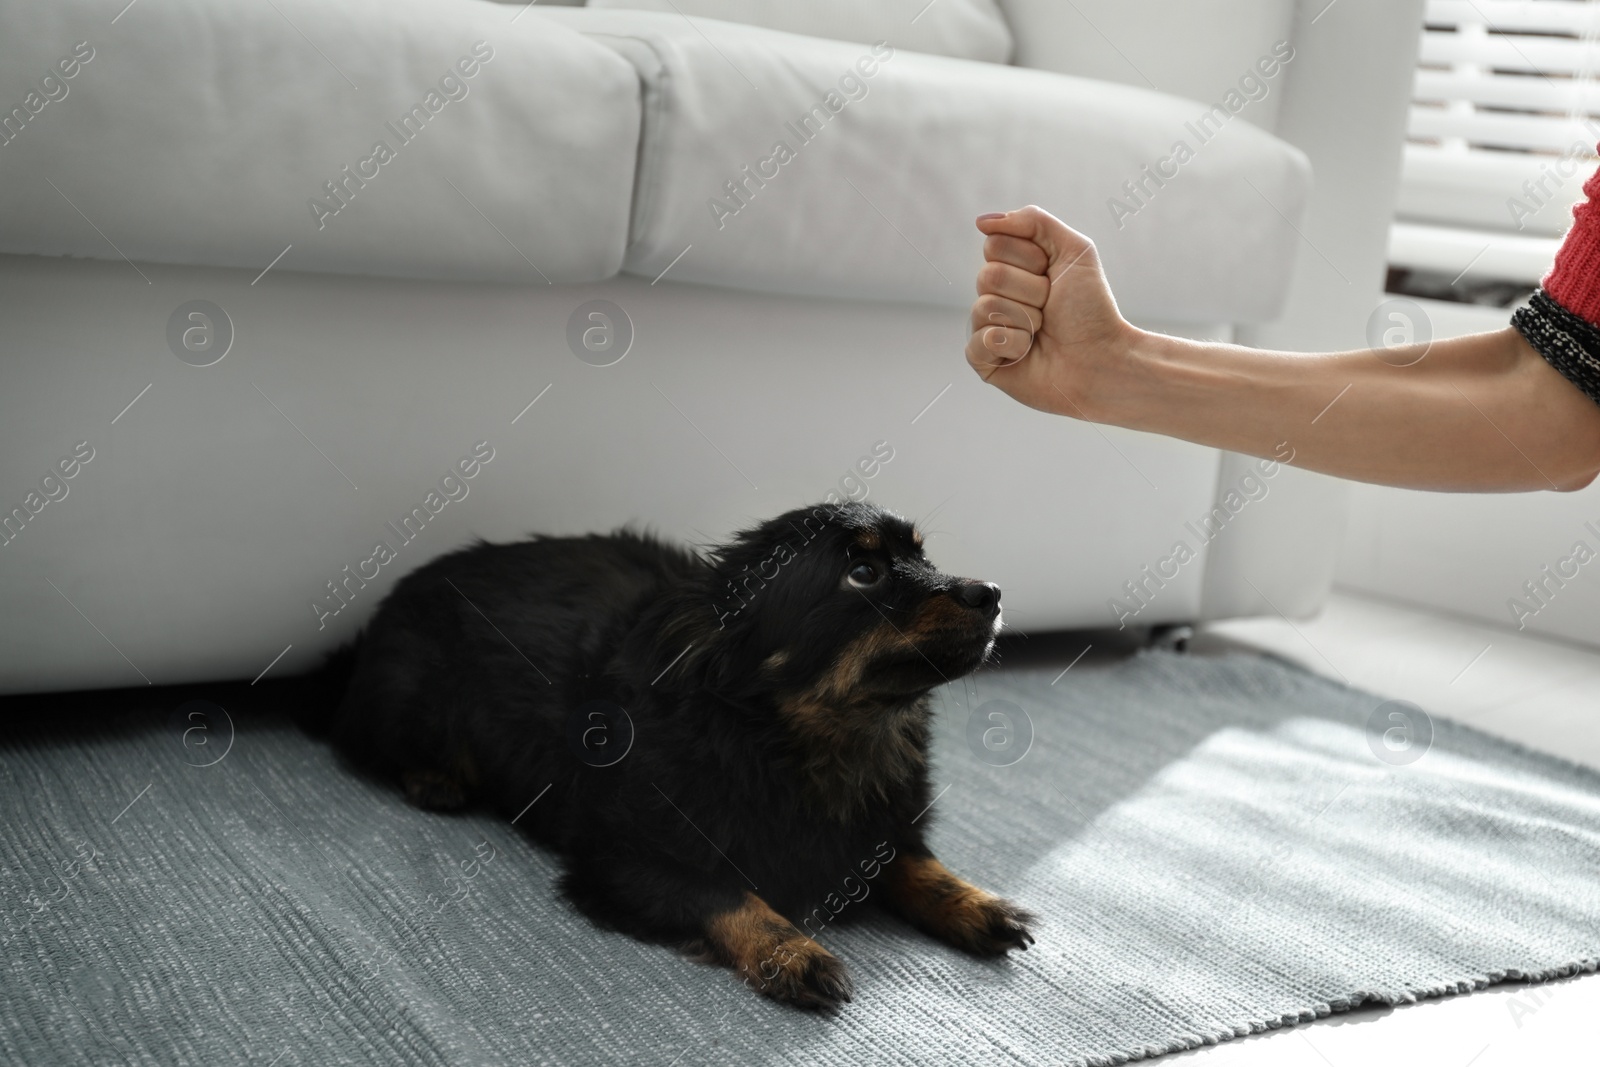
(719, 746)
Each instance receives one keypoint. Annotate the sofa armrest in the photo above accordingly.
(1345, 104)
(1191, 48)
(1343, 100)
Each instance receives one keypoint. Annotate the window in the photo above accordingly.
(1505, 116)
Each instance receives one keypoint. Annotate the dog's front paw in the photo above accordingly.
(803, 973)
(775, 959)
(990, 926)
(956, 912)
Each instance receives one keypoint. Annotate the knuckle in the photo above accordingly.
(992, 275)
(993, 308)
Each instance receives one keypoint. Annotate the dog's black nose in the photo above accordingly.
(980, 596)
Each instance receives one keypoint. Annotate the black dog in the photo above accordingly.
(720, 747)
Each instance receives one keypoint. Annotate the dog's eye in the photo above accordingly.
(863, 575)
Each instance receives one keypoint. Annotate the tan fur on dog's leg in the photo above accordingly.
(775, 958)
(956, 912)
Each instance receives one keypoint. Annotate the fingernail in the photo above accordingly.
(992, 215)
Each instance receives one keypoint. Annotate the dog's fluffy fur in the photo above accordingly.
(777, 689)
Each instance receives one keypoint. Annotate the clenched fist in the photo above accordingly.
(1045, 327)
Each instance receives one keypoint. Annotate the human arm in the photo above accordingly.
(1483, 413)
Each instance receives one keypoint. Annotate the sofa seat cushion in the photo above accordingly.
(219, 133)
(967, 29)
(793, 164)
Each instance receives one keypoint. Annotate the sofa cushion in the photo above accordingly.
(969, 29)
(219, 133)
(792, 164)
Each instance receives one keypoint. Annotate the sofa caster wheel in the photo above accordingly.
(1172, 637)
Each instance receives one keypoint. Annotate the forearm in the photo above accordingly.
(1486, 413)
(1483, 413)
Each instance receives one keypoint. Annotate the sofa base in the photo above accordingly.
(231, 515)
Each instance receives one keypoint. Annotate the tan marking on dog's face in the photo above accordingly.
(852, 749)
(869, 540)
(916, 537)
(842, 681)
(843, 678)
(776, 660)
(936, 614)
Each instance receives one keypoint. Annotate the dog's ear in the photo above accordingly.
(682, 642)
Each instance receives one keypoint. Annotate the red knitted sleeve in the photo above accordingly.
(1574, 281)
(1561, 321)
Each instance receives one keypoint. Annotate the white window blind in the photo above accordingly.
(1505, 116)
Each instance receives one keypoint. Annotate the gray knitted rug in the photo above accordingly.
(1214, 846)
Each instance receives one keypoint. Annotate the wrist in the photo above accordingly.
(1144, 375)
(1098, 384)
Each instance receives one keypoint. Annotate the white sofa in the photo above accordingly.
(385, 312)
